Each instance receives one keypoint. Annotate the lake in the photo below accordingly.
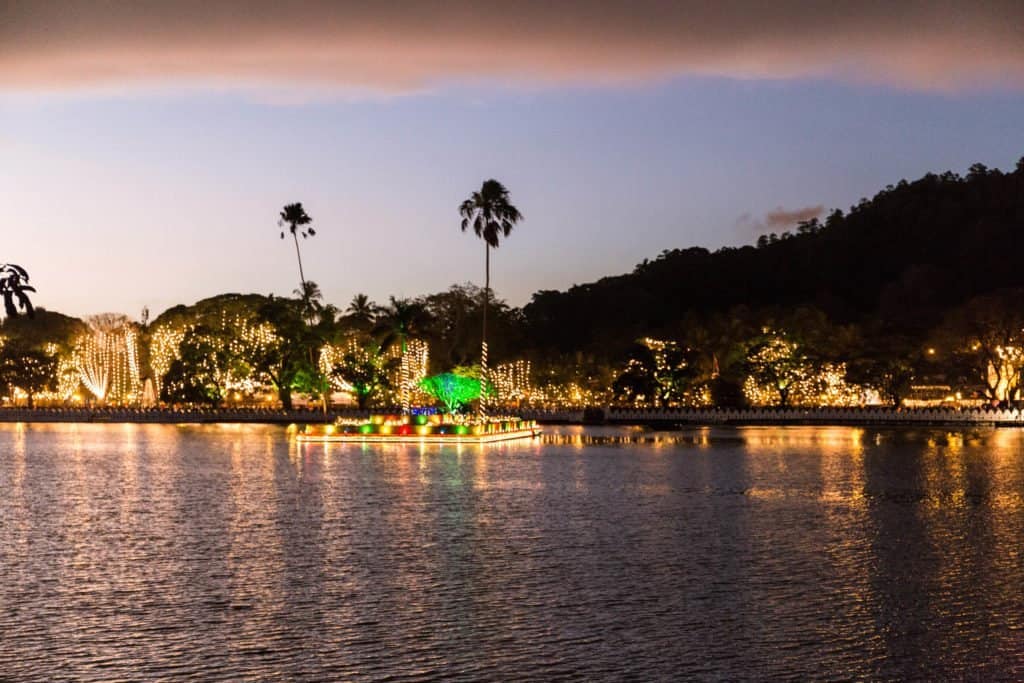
(231, 553)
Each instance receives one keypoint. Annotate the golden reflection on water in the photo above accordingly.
(897, 536)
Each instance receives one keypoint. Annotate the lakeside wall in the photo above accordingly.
(874, 415)
(165, 415)
(871, 415)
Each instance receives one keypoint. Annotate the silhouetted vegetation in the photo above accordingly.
(918, 287)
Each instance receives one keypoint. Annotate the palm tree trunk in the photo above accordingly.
(483, 337)
(299, 257)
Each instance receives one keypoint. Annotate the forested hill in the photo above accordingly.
(903, 258)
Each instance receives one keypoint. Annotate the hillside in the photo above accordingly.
(901, 258)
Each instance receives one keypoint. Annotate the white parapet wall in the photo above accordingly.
(825, 416)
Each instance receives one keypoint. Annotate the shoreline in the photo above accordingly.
(606, 416)
(877, 416)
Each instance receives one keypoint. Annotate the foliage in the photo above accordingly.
(361, 313)
(662, 373)
(400, 321)
(14, 290)
(298, 222)
(775, 367)
(904, 257)
(454, 391)
(985, 336)
(283, 359)
(490, 213)
(457, 315)
(366, 370)
(31, 370)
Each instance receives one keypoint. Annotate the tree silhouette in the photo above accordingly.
(361, 312)
(296, 218)
(492, 217)
(13, 288)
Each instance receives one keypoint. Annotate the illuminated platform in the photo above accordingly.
(419, 429)
(416, 438)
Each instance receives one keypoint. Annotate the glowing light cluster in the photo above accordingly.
(408, 368)
(513, 381)
(107, 359)
(164, 349)
(780, 371)
(412, 368)
(240, 336)
(1003, 372)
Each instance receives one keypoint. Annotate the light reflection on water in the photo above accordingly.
(229, 552)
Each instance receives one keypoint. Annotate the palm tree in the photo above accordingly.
(361, 311)
(310, 298)
(492, 217)
(397, 323)
(296, 218)
(13, 287)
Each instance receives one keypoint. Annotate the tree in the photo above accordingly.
(364, 369)
(202, 370)
(662, 373)
(321, 328)
(312, 300)
(776, 366)
(888, 363)
(453, 390)
(13, 288)
(986, 335)
(281, 360)
(397, 323)
(30, 370)
(296, 218)
(492, 217)
(361, 312)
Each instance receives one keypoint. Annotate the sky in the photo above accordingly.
(146, 148)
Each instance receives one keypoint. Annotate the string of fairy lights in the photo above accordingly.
(107, 359)
(406, 369)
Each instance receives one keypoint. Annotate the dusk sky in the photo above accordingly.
(148, 147)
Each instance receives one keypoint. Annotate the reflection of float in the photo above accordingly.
(434, 428)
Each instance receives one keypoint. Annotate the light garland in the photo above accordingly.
(106, 357)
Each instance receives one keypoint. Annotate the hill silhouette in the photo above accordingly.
(900, 260)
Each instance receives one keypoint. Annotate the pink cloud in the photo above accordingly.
(400, 46)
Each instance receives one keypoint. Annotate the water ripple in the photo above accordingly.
(155, 552)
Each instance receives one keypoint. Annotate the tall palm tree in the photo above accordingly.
(361, 311)
(492, 217)
(296, 218)
(397, 323)
(13, 288)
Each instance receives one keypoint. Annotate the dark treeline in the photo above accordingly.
(895, 263)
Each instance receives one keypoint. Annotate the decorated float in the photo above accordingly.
(422, 427)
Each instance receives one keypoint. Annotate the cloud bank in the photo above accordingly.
(403, 45)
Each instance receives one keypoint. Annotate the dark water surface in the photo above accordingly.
(230, 553)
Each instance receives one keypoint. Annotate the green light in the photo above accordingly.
(454, 391)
